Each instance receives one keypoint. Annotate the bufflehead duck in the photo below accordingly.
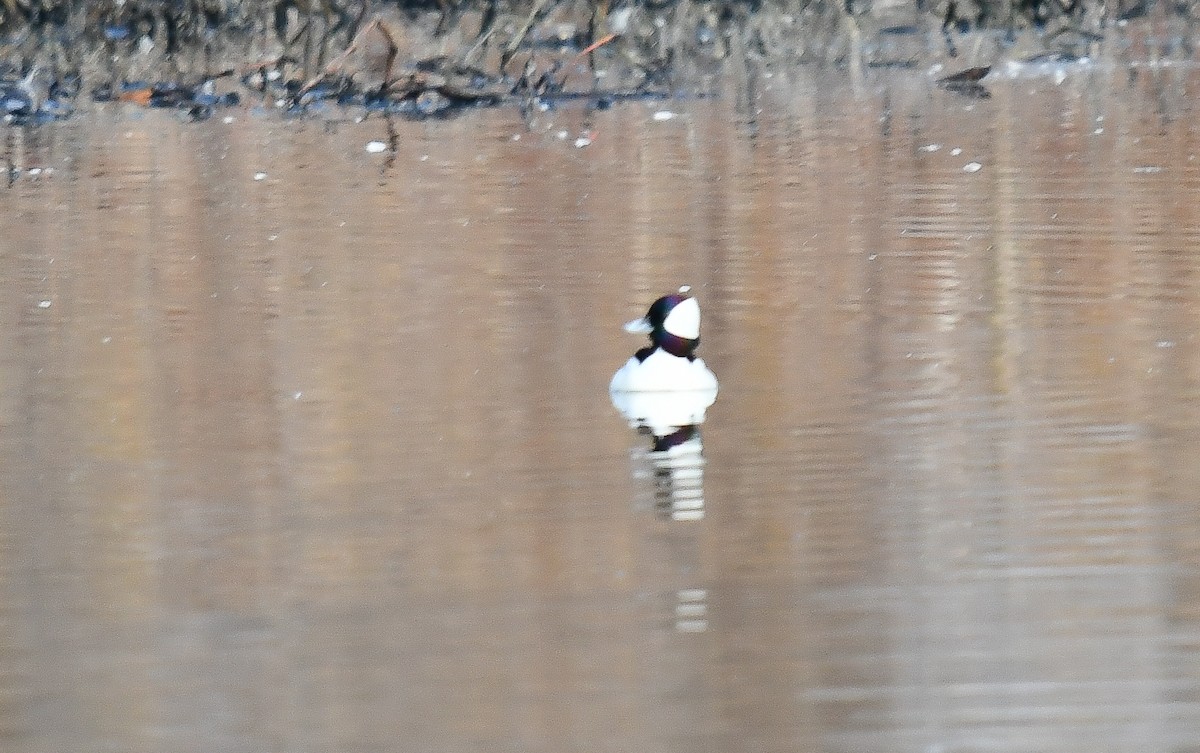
(669, 363)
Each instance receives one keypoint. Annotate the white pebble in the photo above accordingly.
(662, 115)
(375, 147)
(260, 176)
(930, 148)
(955, 152)
(43, 304)
(972, 167)
(582, 141)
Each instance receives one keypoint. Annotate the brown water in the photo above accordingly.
(325, 461)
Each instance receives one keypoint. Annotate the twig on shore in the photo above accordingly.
(597, 44)
(515, 43)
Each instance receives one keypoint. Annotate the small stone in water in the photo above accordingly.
(375, 147)
(662, 115)
(972, 167)
(431, 102)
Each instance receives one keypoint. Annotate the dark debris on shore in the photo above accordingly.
(427, 58)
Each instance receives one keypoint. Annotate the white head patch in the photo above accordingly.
(684, 320)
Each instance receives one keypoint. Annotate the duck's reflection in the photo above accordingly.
(679, 474)
(691, 610)
(675, 457)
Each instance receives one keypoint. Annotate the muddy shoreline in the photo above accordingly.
(427, 60)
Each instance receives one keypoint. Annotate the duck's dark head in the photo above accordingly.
(673, 323)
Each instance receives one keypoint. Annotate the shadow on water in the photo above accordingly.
(305, 442)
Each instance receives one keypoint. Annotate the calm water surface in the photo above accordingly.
(324, 460)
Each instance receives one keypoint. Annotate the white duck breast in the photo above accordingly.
(663, 372)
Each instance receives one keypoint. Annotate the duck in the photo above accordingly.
(665, 384)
